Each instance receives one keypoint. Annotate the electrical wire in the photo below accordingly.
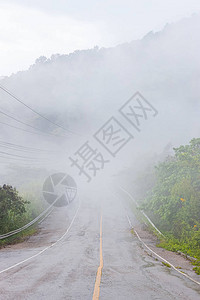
(16, 155)
(26, 130)
(13, 118)
(23, 148)
(36, 112)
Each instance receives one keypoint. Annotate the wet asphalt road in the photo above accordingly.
(68, 269)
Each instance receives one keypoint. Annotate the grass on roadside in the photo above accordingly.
(19, 237)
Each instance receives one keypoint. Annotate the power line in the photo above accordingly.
(25, 148)
(17, 161)
(15, 155)
(22, 159)
(37, 113)
(11, 158)
(24, 162)
(13, 118)
(45, 134)
(15, 158)
(13, 148)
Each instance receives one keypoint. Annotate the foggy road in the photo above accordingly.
(99, 150)
(97, 254)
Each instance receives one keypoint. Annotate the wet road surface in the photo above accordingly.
(69, 269)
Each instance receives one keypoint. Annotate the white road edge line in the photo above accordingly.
(134, 201)
(159, 255)
(42, 251)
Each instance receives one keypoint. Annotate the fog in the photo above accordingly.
(82, 90)
(95, 199)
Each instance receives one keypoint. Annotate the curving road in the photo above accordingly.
(96, 257)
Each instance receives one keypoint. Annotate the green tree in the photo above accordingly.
(12, 208)
(174, 202)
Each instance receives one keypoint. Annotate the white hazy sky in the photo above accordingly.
(31, 28)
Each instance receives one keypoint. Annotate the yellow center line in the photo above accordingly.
(99, 271)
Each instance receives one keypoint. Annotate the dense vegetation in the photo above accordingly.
(12, 208)
(18, 209)
(174, 202)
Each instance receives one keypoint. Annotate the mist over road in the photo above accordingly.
(99, 122)
(68, 270)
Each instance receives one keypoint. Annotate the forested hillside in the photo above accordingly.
(80, 90)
